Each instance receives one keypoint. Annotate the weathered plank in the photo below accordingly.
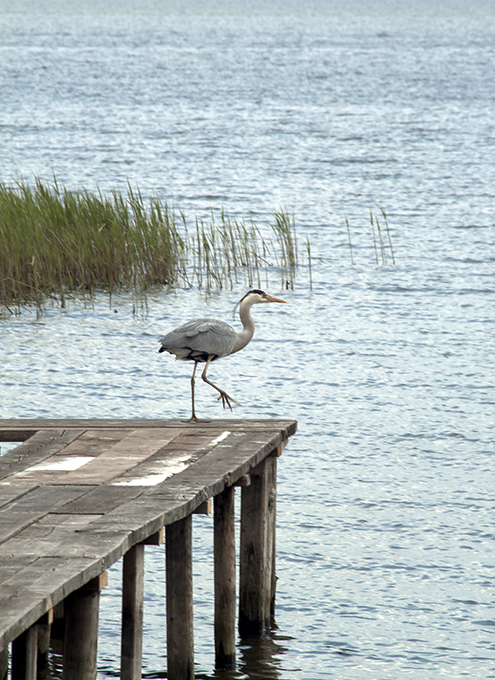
(94, 442)
(117, 457)
(27, 427)
(40, 446)
(100, 500)
(4, 663)
(176, 456)
(69, 542)
(137, 446)
(271, 482)
(9, 494)
(31, 506)
(11, 564)
(78, 452)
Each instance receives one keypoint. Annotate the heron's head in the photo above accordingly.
(255, 296)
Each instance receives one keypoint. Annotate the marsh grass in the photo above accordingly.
(383, 248)
(57, 243)
(382, 244)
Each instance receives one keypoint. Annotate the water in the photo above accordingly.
(386, 532)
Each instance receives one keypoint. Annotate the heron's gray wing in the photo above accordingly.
(209, 336)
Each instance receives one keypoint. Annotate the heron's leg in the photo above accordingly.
(193, 417)
(223, 395)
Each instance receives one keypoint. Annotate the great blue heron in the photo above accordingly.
(206, 340)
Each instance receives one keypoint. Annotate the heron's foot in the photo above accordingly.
(226, 400)
(195, 419)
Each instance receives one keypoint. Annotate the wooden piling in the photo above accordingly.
(25, 654)
(44, 634)
(224, 578)
(179, 593)
(132, 613)
(271, 472)
(257, 565)
(4, 663)
(81, 628)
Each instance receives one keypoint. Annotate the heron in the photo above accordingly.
(206, 340)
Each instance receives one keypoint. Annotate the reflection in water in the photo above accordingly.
(260, 658)
(257, 659)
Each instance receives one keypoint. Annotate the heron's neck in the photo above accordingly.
(244, 336)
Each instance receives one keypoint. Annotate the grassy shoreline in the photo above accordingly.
(55, 242)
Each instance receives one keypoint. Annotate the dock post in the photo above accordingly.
(132, 613)
(4, 663)
(44, 634)
(179, 593)
(272, 522)
(224, 566)
(25, 654)
(257, 550)
(81, 630)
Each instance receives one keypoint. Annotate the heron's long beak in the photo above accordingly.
(272, 298)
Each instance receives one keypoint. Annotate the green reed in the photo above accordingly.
(285, 233)
(379, 244)
(55, 243)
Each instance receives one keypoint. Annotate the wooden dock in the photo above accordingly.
(78, 495)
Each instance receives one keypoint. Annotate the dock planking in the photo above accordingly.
(78, 494)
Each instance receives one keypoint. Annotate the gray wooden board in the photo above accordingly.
(8, 494)
(180, 453)
(68, 541)
(40, 446)
(31, 506)
(54, 538)
(11, 564)
(22, 429)
(100, 500)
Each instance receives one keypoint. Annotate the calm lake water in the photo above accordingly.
(386, 528)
